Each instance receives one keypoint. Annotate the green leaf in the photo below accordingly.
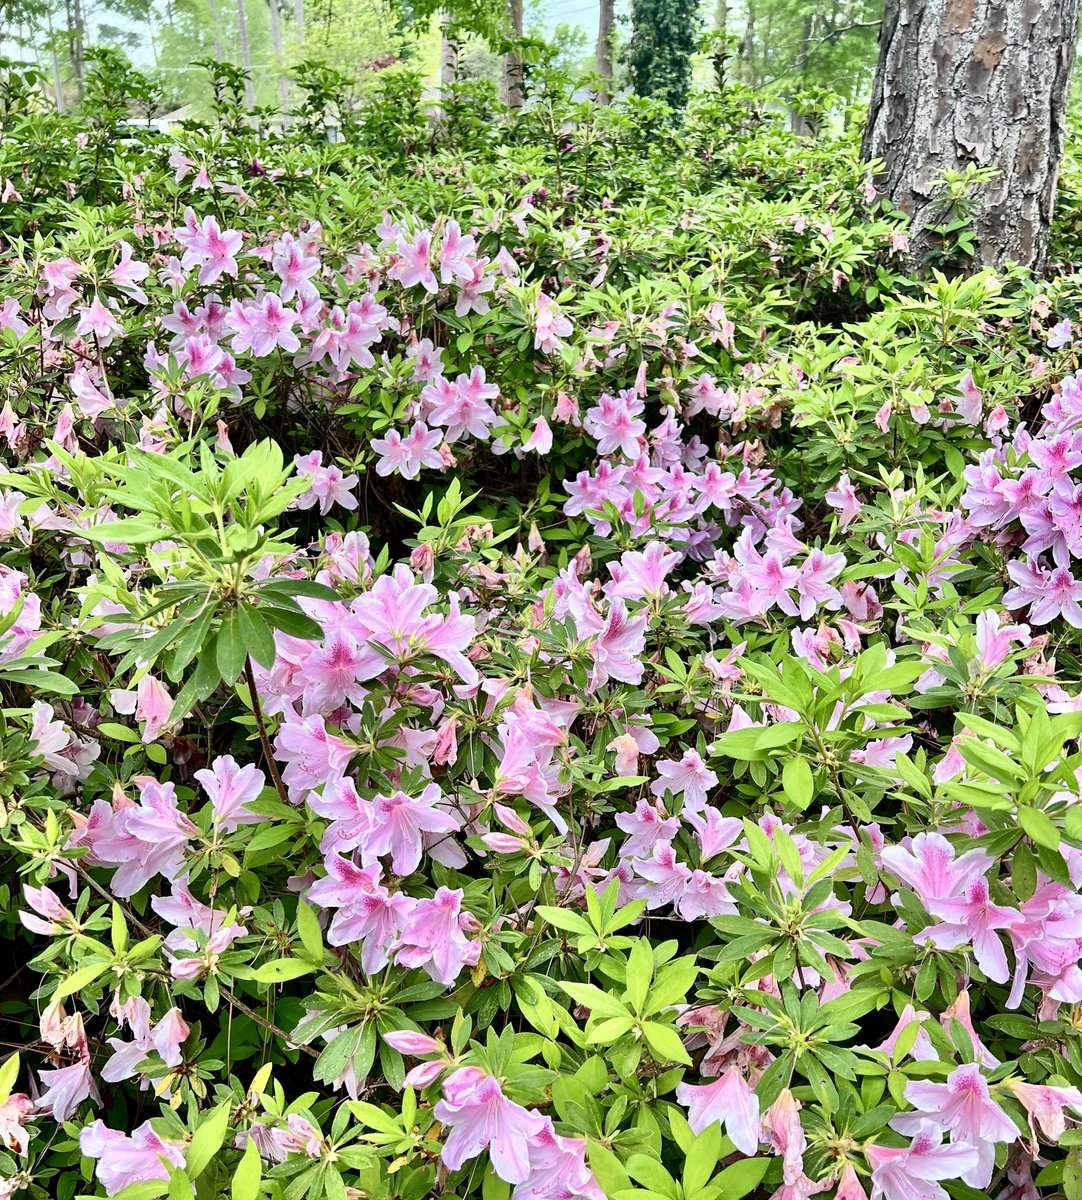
(601, 1004)
(256, 635)
(131, 530)
(180, 1185)
(246, 1177)
(494, 1188)
(294, 624)
(561, 918)
(740, 1178)
(1038, 827)
(230, 650)
(665, 1043)
(80, 979)
(1072, 1175)
(208, 1139)
(607, 1168)
(281, 970)
(640, 970)
(309, 932)
(9, 1072)
(609, 1030)
(797, 781)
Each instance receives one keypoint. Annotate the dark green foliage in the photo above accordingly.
(663, 39)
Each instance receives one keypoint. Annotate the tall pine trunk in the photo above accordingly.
(511, 74)
(605, 21)
(448, 55)
(279, 54)
(982, 82)
(245, 55)
(73, 10)
(298, 20)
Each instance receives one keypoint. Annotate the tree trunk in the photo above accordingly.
(511, 74)
(797, 121)
(57, 86)
(746, 52)
(245, 55)
(605, 21)
(279, 54)
(982, 82)
(298, 19)
(448, 55)
(217, 30)
(73, 10)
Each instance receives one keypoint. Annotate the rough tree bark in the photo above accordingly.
(975, 81)
(606, 18)
(511, 75)
(448, 54)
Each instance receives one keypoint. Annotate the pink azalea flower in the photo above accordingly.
(153, 705)
(551, 325)
(145, 839)
(98, 320)
(128, 274)
(618, 647)
(328, 487)
(843, 497)
(930, 868)
(15, 1111)
(399, 823)
(973, 917)
(124, 1160)
(231, 789)
(208, 247)
(922, 1049)
(367, 912)
(690, 776)
(1045, 1106)
(434, 937)
(413, 262)
(730, 1101)
(407, 455)
(271, 326)
(914, 1172)
(558, 1169)
(1060, 335)
(963, 1106)
(642, 574)
(295, 267)
(165, 1038)
(466, 408)
(1048, 595)
(616, 425)
(480, 1117)
(312, 756)
(49, 916)
(456, 250)
(64, 1089)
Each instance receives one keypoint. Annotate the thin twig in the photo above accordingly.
(257, 709)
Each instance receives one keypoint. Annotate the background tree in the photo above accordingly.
(977, 85)
(603, 57)
(784, 46)
(663, 39)
(245, 53)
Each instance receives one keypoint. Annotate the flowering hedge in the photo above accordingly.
(523, 682)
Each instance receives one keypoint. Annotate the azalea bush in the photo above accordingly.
(530, 669)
